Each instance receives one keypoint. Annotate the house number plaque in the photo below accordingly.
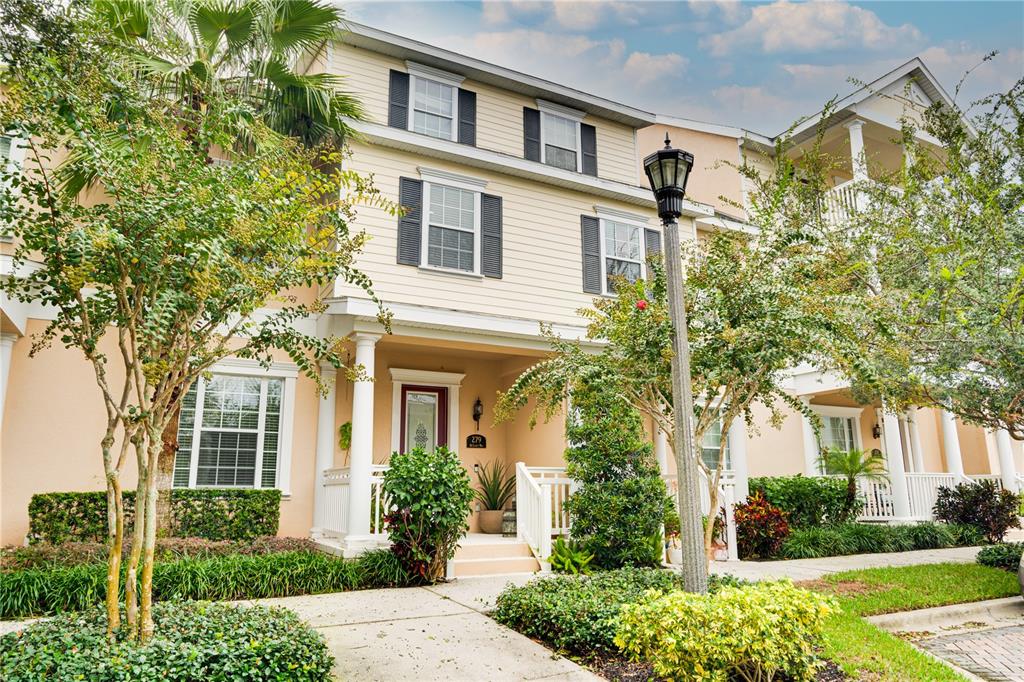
(476, 440)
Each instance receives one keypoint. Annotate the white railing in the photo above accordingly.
(841, 202)
(726, 501)
(335, 501)
(995, 478)
(533, 512)
(878, 503)
(560, 487)
(923, 490)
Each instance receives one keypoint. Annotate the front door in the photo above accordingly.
(424, 417)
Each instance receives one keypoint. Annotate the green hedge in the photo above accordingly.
(193, 641)
(43, 591)
(807, 501)
(211, 513)
(867, 538)
(1005, 555)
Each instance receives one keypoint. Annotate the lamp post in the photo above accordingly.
(667, 170)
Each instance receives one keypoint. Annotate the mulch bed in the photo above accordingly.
(621, 670)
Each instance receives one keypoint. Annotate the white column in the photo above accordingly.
(324, 444)
(914, 436)
(6, 348)
(894, 460)
(810, 444)
(738, 455)
(1007, 468)
(857, 155)
(661, 450)
(361, 454)
(951, 444)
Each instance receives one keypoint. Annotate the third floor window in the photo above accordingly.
(561, 141)
(433, 106)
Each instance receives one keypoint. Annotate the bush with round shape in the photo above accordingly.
(981, 504)
(808, 501)
(577, 613)
(761, 528)
(194, 641)
(1005, 555)
(429, 494)
(758, 633)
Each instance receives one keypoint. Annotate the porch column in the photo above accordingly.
(857, 157)
(661, 450)
(7, 340)
(951, 444)
(1007, 468)
(324, 444)
(894, 460)
(914, 436)
(810, 444)
(738, 454)
(357, 536)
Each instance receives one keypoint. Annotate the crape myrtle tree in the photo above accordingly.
(166, 263)
(758, 305)
(948, 233)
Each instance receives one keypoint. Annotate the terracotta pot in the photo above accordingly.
(490, 520)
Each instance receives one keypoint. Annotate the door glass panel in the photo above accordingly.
(420, 420)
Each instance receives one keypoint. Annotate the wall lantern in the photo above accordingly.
(478, 411)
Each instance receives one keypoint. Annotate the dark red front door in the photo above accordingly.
(424, 417)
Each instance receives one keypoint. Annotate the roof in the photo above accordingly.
(400, 47)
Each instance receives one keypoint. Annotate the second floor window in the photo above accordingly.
(452, 224)
(713, 440)
(623, 253)
(561, 141)
(433, 108)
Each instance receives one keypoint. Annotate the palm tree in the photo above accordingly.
(255, 51)
(852, 465)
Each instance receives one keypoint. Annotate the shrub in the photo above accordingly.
(1005, 555)
(193, 641)
(761, 528)
(577, 613)
(620, 498)
(43, 555)
(750, 633)
(381, 568)
(569, 557)
(867, 538)
(807, 501)
(982, 504)
(44, 591)
(430, 497)
(214, 513)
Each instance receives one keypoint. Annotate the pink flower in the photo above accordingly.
(641, 305)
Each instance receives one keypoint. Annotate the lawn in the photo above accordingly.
(868, 652)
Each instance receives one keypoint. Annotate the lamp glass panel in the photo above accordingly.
(668, 170)
(654, 170)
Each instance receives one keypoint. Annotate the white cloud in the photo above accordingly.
(810, 27)
(643, 67)
(732, 11)
(575, 15)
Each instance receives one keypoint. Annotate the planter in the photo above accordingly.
(675, 555)
(490, 520)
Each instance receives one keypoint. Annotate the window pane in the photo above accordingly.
(5, 147)
(451, 207)
(447, 248)
(432, 108)
(560, 158)
(559, 131)
(420, 420)
(621, 240)
(837, 432)
(272, 433)
(709, 448)
(227, 459)
(620, 268)
(186, 423)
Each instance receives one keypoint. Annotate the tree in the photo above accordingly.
(164, 267)
(853, 465)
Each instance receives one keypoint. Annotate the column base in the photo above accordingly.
(355, 545)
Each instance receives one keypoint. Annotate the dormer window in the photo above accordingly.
(434, 100)
(560, 136)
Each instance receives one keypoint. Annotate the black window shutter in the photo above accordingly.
(398, 100)
(588, 143)
(591, 228)
(490, 235)
(410, 196)
(653, 241)
(531, 134)
(467, 117)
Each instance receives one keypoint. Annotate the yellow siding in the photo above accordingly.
(542, 259)
(499, 113)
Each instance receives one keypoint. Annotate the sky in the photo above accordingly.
(756, 65)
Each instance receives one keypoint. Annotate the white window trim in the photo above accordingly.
(429, 73)
(450, 380)
(425, 222)
(853, 413)
(287, 371)
(562, 112)
(603, 218)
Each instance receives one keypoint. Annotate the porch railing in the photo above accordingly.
(923, 490)
(335, 501)
(533, 512)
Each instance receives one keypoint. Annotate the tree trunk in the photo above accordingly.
(115, 536)
(165, 476)
(131, 585)
(146, 591)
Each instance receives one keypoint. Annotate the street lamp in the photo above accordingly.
(668, 170)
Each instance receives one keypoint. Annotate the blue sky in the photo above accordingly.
(756, 65)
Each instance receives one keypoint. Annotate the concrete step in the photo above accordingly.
(493, 550)
(464, 568)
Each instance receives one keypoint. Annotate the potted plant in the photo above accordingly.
(345, 439)
(497, 487)
(673, 545)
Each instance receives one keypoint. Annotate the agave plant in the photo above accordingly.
(852, 465)
(497, 486)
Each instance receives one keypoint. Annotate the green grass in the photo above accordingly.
(868, 652)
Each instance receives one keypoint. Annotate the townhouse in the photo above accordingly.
(524, 197)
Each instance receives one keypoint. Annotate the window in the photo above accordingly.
(229, 433)
(11, 154)
(709, 448)
(560, 136)
(623, 252)
(433, 108)
(452, 223)
(837, 433)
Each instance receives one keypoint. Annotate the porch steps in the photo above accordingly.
(499, 557)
